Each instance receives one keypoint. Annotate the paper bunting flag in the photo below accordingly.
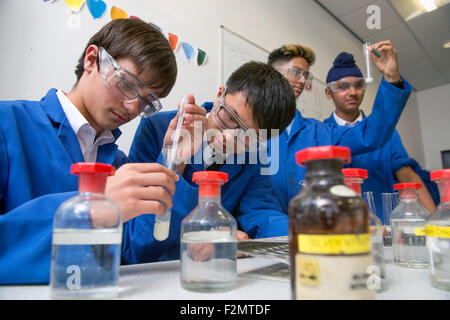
(134, 17)
(97, 8)
(74, 5)
(117, 13)
(201, 57)
(174, 41)
(189, 51)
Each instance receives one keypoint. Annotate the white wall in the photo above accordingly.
(40, 52)
(434, 110)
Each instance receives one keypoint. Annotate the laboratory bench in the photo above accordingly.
(160, 281)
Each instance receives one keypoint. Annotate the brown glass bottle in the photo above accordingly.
(328, 231)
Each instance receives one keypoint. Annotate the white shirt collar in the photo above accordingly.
(84, 131)
(342, 122)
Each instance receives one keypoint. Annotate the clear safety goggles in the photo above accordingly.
(125, 86)
(228, 121)
(297, 74)
(336, 86)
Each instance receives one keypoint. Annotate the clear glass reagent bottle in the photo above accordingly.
(87, 238)
(209, 239)
(408, 228)
(437, 229)
(354, 178)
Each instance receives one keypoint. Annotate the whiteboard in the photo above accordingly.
(236, 50)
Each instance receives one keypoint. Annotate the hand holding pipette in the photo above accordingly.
(179, 145)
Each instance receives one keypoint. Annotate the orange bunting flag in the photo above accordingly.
(174, 41)
(117, 13)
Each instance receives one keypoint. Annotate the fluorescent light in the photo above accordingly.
(446, 45)
(429, 5)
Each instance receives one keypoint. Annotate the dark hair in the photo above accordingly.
(268, 93)
(141, 42)
(289, 51)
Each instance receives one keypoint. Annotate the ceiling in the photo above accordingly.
(418, 39)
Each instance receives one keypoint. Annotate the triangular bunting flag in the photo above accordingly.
(97, 8)
(117, 13)
(174, 41)
(201, 57)
(189, 51)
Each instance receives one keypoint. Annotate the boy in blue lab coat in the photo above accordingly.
(123, 70)
(387, 165)
(293, 61)
(256, 97)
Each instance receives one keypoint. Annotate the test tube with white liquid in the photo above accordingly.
(369, 78)
(170, 155)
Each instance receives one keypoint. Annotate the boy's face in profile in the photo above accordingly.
(104, 110)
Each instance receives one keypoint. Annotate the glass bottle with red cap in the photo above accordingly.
(437, 229)
(329, 238)
(354, 178)
(209, 239)
(408, 228)
(87, 238)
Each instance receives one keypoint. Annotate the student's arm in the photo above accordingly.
(260, 213)
(25, 240)
(374, 131)
(406, 175)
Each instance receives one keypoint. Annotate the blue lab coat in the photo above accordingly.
(37, 148)
(381, 165)
(259, 211)
(369, 134)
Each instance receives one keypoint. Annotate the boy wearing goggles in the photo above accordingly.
(256, 97)
(370, 134)
(387, 165)
(123, 71)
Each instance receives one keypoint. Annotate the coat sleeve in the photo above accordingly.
(260, 214)
(26, 237)
(375, 130)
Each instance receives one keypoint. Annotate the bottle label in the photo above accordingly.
(437, 231)
(342, 191)
(334, 244)
(334, 277)
(334, 267)
(419, 231)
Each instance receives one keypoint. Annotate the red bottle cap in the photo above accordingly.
(440, 174)
(323, 152)
(355, 173)
(401, 186)
(92, 176)
(209, 182)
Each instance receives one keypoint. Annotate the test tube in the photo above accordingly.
(369, 78)
(162, 223)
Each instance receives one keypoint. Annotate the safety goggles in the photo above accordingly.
(297, 74)
(338, 85)
(228, 121)
(125, 86)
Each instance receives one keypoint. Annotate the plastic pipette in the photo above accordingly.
(162, 223)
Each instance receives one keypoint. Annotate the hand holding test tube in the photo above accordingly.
(170, 155)
(383, 55)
